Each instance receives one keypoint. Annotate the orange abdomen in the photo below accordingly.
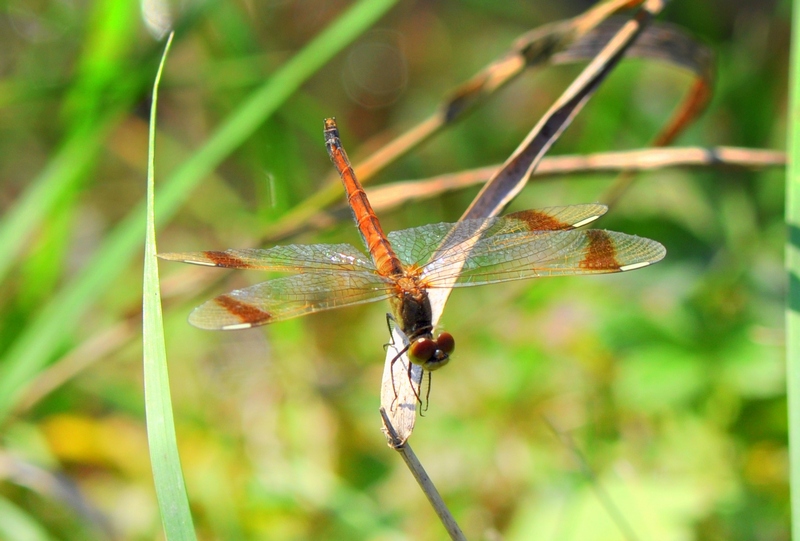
(386, 261)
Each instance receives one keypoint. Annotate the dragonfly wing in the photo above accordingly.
(418, 245)
(293, 257)
(518, 256)
(288, 297)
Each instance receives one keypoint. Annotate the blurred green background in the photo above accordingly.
(668, 381)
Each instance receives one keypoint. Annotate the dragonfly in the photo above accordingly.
(404, 266)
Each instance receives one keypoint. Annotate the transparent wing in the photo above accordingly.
(518, 256)
(288, 297)
(418, 244)
(294, 257)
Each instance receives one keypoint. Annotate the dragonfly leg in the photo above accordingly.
(411, 382)
(390, 323)
(427, 394)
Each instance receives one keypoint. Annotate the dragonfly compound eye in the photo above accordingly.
(422, 350)
(446, 343)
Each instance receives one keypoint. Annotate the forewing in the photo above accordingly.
(417, 245)
(293, 257)
(518, 256)
(288, 297)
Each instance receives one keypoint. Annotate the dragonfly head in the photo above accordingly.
(432, 354)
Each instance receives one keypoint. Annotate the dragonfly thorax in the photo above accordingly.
(412, 309)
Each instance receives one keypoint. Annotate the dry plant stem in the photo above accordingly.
(423, 480)
(391, 195)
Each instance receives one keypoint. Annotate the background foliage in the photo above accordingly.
(669, 381)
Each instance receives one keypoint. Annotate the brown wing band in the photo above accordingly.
(601, 253)
(224, 259)
(244, 312)
(540, 221)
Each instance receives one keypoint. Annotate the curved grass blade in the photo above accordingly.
(167, 474)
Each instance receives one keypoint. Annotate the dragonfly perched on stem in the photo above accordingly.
(404, 265)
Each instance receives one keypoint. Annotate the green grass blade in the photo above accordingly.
(36, 345)
(793, 268)
(164, 459)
